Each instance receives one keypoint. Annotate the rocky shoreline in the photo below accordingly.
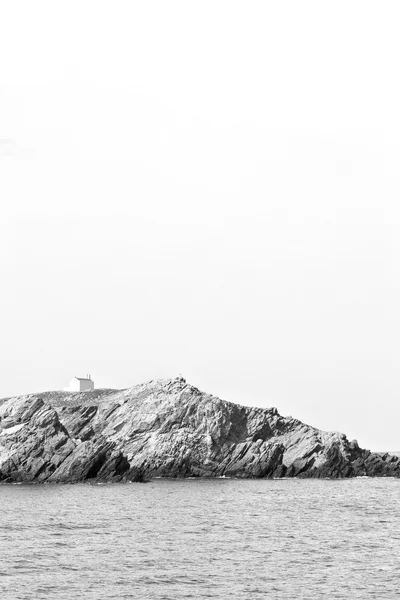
(167, 428)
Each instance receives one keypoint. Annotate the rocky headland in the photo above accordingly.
(167, 428)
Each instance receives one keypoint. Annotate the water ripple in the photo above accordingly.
(219, 539)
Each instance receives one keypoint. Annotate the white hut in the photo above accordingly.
(80, 384)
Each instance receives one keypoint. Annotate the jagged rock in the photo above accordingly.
(167, 428)
(33, 442)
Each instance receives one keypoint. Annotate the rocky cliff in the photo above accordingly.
(167, 428)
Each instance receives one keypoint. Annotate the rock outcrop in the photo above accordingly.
(167, 428)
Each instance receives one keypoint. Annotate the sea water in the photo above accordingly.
(206, 538)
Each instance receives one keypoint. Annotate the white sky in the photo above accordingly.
(206, 188)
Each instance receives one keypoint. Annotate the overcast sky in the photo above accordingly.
(208, 189)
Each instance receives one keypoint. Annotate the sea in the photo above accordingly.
(202, 538)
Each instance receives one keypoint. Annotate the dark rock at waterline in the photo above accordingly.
(167, 428)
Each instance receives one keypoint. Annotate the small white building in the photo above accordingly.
(80, 384)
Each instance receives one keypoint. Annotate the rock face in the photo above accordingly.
(167, 428)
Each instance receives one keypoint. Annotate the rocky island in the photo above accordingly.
(167, 428)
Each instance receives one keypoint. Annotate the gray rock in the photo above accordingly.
(167, 428)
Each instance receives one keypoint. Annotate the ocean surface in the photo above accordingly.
(221, 538)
